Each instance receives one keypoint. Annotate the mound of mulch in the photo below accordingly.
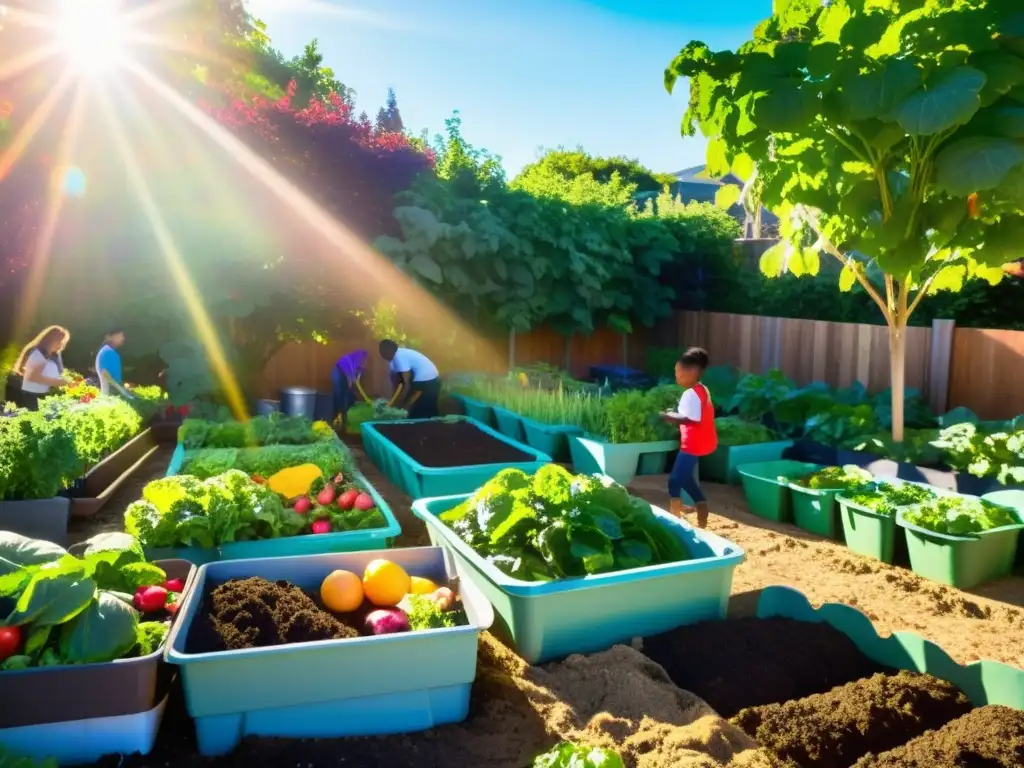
(987, 737)
(739, 663)
(256, 613)
(833, 729)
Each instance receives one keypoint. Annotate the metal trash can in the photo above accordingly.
(298, 401)
(267, 407)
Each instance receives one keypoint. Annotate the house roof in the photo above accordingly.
(698, 175)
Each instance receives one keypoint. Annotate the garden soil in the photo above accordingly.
(988, 737)
(834, 729)
(450, 444)
(256, 613)
(745, 662)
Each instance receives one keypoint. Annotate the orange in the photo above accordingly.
(342, 591)
(420, 586)
(385, 583)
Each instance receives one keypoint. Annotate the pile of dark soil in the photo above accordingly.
(988, 737)
(739, 663)
(256, 613)
(436, 443)
(833, 729)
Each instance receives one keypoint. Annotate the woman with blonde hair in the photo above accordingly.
(40, 365)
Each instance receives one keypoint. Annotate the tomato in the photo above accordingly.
(10, 642)
(973, 206)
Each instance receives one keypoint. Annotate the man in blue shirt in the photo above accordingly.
(108, 361)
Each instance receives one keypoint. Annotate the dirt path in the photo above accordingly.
(987, 622)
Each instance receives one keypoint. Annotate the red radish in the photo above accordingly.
(303, 505)
(173, 603)
(364, 502)
(347, 499)
(258, 479)
(169, 411)
(150, 599)
(321, 526)
(174, 585)
(185, 410)
(326, 496)
(10, 642)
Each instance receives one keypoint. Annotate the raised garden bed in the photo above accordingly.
(102, 481)
(619, 461)
(475, 409)
(308, 673)
(45, 519)
(442, 457)
(545, 620)
(766, 486)
(723, 466)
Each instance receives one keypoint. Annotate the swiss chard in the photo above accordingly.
(555, 525)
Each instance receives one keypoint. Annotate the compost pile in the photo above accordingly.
(256, 613)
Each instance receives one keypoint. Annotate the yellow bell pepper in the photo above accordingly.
(294, 482)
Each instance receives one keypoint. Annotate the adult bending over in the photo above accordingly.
(417, 377)
(40, 365)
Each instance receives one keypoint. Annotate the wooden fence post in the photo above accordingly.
(939, 364)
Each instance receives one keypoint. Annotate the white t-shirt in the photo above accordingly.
(419, 366)
(689, 405)
(51, 369)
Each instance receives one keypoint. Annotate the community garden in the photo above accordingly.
(184, 583)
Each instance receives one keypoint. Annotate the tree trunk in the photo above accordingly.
(897, 369)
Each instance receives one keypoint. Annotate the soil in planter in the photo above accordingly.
(450, 444)
(833, 729)
(256, 613)
(987, 737)
(739, 663)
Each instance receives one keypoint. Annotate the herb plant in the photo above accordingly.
(960, 516)
(834, 478)
(884, 498)
(330, 456)
(75, 610)
(554, 525)
(733, 430)
(273, 429)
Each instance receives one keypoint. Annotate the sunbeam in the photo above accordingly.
(23, 137)
(186, 287)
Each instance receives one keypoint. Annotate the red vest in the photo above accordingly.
(700, 439)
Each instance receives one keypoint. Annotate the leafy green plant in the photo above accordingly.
(632, 418)
(967, 448)
(184, 511)
(732, 430)
(272, 429)
(960, 516)
(918, 446)
(569, 755)
(834, 478)
(884, 134)
(74, 610)
(37, 456)
(378, 410)
(99, 426)
(885, 498)
(840, 424)
(756, 396)
(555, 525)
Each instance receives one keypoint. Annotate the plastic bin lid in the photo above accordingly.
(298, 391)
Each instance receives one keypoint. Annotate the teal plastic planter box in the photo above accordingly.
(768, 496)
(510, 423)
(1013, 499)
(872, 534)
(476, 409)
(620, 461)
(304, 544)
(177, 461)
(723, 466)
(420, 482)
(329, 688)
(551, 439)
(551, 620)
(961, 561)
(816, 511)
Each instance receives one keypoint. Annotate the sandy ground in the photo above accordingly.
(984, 623)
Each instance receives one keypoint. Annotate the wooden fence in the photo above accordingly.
(980, 369)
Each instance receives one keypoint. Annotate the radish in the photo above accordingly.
(173, 603)
(10, 642)
(321, 526)
(347, 499)
(326, 496)
(364, 502)
(303, 505)
(386, 621)
(174, 585)
(150, 599)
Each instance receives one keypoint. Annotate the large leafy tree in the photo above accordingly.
(566, 166)
(887, 134)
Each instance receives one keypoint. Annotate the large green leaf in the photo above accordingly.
(105, 631)
(17, 551)
(950, 102)
(426, 267)
(1009, 122)
(785, 107)
(876, 94)
(975, 164)
(592, 547)
(52, 599)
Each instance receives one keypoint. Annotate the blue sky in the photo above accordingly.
(524, 74)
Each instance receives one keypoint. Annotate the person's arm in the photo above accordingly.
(689, 408)
(675, 418)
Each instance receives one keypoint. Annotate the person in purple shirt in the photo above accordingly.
(345, 380)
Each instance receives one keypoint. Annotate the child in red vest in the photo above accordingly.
(697, 436)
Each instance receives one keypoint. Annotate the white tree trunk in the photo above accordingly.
(897, 370)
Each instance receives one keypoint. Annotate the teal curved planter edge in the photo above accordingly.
(552, 429)
(984, 682)
(177, 461)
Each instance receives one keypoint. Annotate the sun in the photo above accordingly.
(91, 34)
